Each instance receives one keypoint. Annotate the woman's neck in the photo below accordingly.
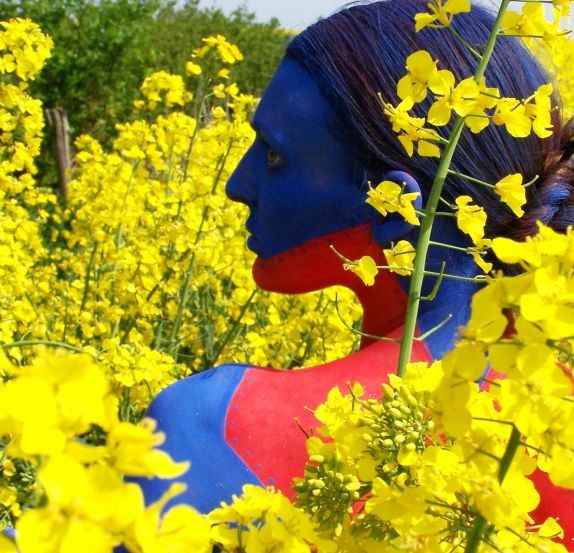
(314, 266)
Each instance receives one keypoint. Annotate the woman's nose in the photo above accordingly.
(241, 186)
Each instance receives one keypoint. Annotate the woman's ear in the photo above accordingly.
(393, 227)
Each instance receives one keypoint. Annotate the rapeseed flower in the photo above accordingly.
(461, 98)
(512, 192)
(532, 22)
(411, 130)
(400, 257)
(421, 69)
(365, 268)
(470, 218)
(441, 13)
(388, 197)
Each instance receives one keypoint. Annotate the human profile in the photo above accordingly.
(321, 138)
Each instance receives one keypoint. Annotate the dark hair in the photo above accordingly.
(360, 52)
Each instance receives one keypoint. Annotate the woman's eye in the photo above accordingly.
(273, 158)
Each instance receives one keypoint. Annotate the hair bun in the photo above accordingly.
(567, 141)
(551, 197)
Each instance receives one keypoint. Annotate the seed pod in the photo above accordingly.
(388, 391)
(353, 486)
(400, 438)
(405, 409)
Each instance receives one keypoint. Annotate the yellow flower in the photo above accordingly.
(421, 68)
(29, 48)
(365, 268)
(562, 467)
(84, 503)
(510, 251)
(223, 73)
(477, 119)
(551, 529)
(227, 52)
(512, 113)
(478, 252)
(512, 193)
(441, 14)
(470, 218)
(521, 117)
(180, 529)
(192, 68)
(461, 98)
(268, 521)
(540, 111)
(487, 321)
(164, 87)
(132, 451)
(400, 257)
(504, 504)
(388, 197)
(54, 399)
(532, 21)
(411, 130)
(7, 545)
(333, 412)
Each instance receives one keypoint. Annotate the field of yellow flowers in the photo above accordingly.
(139, 277)
(141, 272)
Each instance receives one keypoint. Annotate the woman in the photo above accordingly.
(321, 137)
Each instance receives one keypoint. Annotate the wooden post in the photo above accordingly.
(58, 120)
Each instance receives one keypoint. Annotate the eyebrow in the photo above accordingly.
(267, 135)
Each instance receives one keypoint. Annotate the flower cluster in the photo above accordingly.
(139, 270)
(420, 465)
(49, 411)
(142, 266)
(440, 14)
(532, 22)
(469, 99)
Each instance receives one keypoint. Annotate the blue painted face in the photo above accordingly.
(298, 178)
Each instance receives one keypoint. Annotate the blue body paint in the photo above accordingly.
(192, 413)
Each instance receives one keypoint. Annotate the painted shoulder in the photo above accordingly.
(192, 414)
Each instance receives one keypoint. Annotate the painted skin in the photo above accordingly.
(305, 191)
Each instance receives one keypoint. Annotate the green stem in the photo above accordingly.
(511, 448)
(231, 333)
(469, 178)
(491, 41)
(478, 278)
(464, 42)
(183, 298)
(87, 279)
(448, 246)
(475, 537)
(415, 289)
(30, 343)
(416, 284)
(521, 35)
(480, 522)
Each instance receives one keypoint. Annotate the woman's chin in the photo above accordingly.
(285, 273)
(313, 265)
